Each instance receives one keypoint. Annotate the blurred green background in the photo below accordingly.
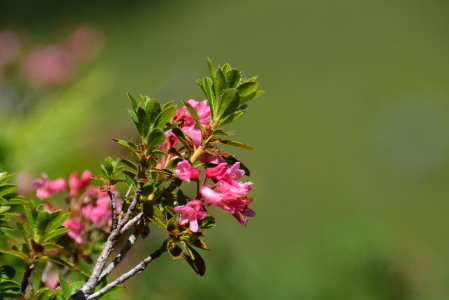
(352, 137)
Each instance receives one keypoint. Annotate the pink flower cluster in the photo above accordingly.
(191, 213)
(188, 123)
(90, 210)
(232, 193)
(185, 170)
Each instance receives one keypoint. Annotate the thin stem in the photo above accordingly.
(26, 277)
(90, 285)
(137, 269)
(175, 183)
(114, 210)
(121, 256)
(131, 222)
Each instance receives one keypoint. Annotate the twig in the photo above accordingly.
(137, 269)
(114, 210)
(175, 183)
(121, 256)
(90, 285)
(26, 278)
(131, 222)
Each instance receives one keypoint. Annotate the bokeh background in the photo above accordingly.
(352, 162)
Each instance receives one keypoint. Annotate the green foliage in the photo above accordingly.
(226, 92)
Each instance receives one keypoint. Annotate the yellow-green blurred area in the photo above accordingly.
(351, 165)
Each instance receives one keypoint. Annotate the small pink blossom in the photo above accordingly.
(191, 213)
(194, 133)
(218, 172)
(46, 188)
(211, 159)
(75, 227)
(237, 206)
(76, 185)
(234, 187)
(185, 170)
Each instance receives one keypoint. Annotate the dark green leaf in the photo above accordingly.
(220, 132)
(233, 78)
(174, 250)
(43, 222)
(7, 272)
(247, 88)
(231, 118)
(65, 286)
(164, 117)
(211, 68)
(129, 164)
(147, 190)
(133, 101)
(135, 119)
(144, 122)
(130, 145)
(63, 262)
(156, 138)
(8, 284)
(219, 83)
(153, 109)
(195, 260)
(235, 144)
(169, 103)
(172, 228)
(251, 97)
(55, 234)
(229, 103)
(7, 188)
(181, 199)
(207, 222)
(159, 217)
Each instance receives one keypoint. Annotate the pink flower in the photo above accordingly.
(191, 213)
(75, 227)
(202, 109)
(236, 205)
(185, 170)
(234, 187)
(100, 213)
(194, 133)
(211, 159)
(223, 171)
(76, 185)
(46, 188)
(218, 172)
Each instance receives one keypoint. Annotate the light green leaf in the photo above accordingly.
(235, 144)
(153, 109)
(164, 117)
(144, 122)
(228, 104)
(233, 78)
(7, 188)
(133, 101)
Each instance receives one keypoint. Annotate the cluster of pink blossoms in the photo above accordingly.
(232, 193)
(90, 210)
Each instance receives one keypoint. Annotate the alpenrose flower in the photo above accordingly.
(76, 227)
(46, 188)
(76, 185)
(185, 170)
(231, 195)
(191, 213)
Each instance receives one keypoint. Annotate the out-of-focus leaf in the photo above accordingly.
(7, 272)
(43, 222)
(17, 254)
(55, 234)
(4, 177)
(65, 286)
(7, 188)
(114, 290)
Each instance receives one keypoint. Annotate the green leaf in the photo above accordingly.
(158, 217)
(194, 115)
(220, 132)
(219, 83)
(169, 103)
(235, 144)
(172, 228)
(133, 101)
(229, 103)
(43, 222)
(193, 240)
(129, 164)
(130, 145)
(7, 188)
(207, 222)
(209, 90)
(17, 254)
(147, 190)
(231, 118)
(65, 287)
(233, 78)
(64, 263)
(31, 214)
(153, 109)
(55, 234)
(57, 218)
(9, 284)
(247, 88)
(174, 250)
(251, 97)
(7, 272)
(144, 122)
(108, 167)
(181, 198)
(195, 260)
(164, 117)
(4, 177)
(156, 138)
(4, 209)
(211, 68)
